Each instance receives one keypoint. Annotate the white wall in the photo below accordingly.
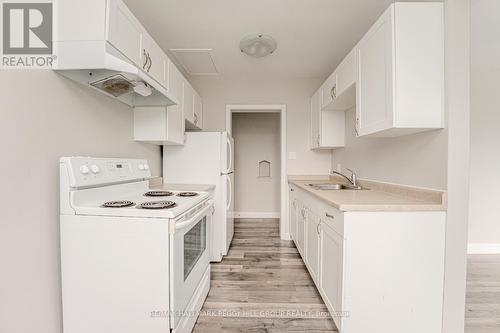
(484, 219)
(42, 117)
(256, 138)
(295, 93)
(417, 160)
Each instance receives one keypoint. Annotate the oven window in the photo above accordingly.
(194, 246)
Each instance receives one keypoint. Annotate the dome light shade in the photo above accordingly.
(258, 46)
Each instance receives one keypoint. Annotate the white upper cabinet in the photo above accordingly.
(188, 102)
(154, 61)
(375, 82)
(193, 108)
(400, 88)
(197, 110)
(329, 91)
(338, 91)
(159, 125)
(394, 77)
(124, 31)
(327, 128)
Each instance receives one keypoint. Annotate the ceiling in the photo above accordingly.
(313, 35)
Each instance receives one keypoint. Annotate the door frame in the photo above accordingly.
(269, 108)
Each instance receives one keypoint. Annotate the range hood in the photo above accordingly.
(99, 65)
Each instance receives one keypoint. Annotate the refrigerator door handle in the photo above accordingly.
(228, 193)
(230, 155)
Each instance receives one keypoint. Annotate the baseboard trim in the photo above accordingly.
(483, 248)
(257, 215)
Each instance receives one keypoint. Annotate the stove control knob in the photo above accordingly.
(84, 169)
(141, 166)
(146, 167)
(95, 168)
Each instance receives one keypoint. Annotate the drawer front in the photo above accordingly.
(333, 217)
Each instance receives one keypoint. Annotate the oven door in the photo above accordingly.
(189, 256)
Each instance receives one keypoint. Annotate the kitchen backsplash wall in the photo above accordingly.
(416, 160)
(43, 117)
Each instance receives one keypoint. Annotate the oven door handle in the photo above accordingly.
(187, 223)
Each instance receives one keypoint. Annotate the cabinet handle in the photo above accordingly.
(356, 126)
(146, 59)
(330, 216)
(291, 190)
(150, 62)
(317, 229)
(333, 92)
(195, 118)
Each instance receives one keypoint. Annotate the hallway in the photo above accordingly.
(262, 285)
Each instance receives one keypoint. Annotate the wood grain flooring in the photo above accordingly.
(482, 313)
(262, 285)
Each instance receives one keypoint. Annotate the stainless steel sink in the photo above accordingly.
(335, 187)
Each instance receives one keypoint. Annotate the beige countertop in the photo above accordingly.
(378, 196)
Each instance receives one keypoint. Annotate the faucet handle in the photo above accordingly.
(353, 176)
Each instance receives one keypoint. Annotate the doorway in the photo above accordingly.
(259, 133)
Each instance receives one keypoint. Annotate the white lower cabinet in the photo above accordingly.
(331, 269)
(375, 271)
(312, 255)
(293, 219)
(300, 241)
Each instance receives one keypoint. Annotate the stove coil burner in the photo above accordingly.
(158, 194)
(118, 204)
(157, 205)
(187, 194)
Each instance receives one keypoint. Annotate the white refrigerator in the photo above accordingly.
(207, 158)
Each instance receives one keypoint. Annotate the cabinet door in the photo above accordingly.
(331, 267)
(313, 244)
(301, 230)
(293, 218)
(176, 83)
(329, 91)
(374, 110)
(315, 119)
(124, 32)
(346, 73)
(198, 111)
(176, 112)
(167, 64)
(188, 102)
(154, 59)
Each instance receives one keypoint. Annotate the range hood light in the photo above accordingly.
(143, 89)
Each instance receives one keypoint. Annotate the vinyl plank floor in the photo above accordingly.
(482, 313)
(262, 285)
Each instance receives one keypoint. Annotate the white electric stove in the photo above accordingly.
(132, 259)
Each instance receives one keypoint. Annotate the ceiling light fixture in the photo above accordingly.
(258, 46)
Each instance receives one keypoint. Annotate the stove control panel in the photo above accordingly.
(90, 171)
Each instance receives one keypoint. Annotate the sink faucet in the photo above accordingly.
(353, 179)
